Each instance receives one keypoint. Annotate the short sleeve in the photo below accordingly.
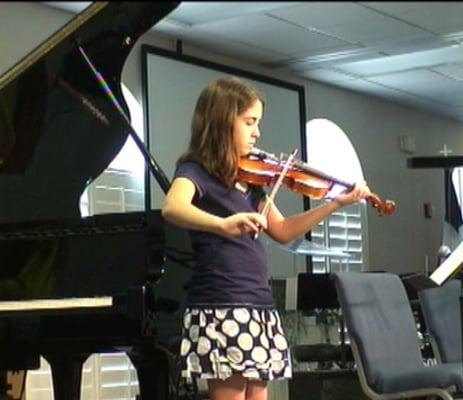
(195, 173)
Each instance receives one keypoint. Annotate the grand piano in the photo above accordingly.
(73, 286)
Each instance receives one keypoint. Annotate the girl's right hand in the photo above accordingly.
(241, 223)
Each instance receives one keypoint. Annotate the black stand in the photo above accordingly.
(420, 282)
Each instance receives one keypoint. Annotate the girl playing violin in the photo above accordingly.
(232, 335)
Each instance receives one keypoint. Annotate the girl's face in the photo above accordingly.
(246, 128)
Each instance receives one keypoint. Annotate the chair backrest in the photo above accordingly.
(379, 318)
(442, 315)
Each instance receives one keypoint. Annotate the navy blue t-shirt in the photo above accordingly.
(229, 271)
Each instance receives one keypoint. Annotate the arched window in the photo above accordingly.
(330, 150)
(120, 188)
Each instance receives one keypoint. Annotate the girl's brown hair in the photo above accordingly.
(212, 142)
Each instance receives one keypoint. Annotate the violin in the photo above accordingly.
(264, 169)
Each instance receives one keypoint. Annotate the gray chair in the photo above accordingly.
(384, 339)
(442, 316)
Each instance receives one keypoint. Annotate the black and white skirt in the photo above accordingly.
(220, 342)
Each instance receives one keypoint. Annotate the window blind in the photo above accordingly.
(344, 230)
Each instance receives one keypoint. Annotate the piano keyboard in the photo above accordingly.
(57, 304)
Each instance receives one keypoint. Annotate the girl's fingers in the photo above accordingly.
(252, 226)
(361, 191)
(255, 222)
(261, 221)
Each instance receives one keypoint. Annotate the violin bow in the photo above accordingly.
(275, 188)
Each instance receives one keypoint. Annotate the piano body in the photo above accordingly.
(72, 286)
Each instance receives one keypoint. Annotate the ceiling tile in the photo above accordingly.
(412, 100)
(220, 44)
(404, 62)
(200, 12)
(326, 75)
(365, 86)
(377, 27)
(409, 44)
(271, 34)
(325, 14)
(454, 71)
(441, 17)
(400, 8)
(349, 21)
(315, 60)
(422, 83)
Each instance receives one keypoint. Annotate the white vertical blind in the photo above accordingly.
(344, 231)
(329, 150)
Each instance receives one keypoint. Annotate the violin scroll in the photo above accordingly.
(386, 207)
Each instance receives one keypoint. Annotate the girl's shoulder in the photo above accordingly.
(190, 166)
(195, 172)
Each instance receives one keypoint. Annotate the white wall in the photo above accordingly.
(397, 243)
(23, 26)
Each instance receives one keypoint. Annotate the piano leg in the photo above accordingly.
(152, 365)
(3, 385)
(67, 375)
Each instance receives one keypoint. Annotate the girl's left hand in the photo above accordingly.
(359, 192)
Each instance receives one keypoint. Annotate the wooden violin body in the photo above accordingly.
(262, 173)
(263, 169)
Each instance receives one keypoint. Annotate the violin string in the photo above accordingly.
(278, 183)
(302, 166)
(275, 188)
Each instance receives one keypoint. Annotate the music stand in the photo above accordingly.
(307, 248)
(322, 293)
(445, 271)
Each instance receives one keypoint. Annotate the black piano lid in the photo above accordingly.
(51, 146)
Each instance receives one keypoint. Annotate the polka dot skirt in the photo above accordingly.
(220, 342)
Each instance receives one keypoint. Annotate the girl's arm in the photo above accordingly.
(285, 229)
(179, 210)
